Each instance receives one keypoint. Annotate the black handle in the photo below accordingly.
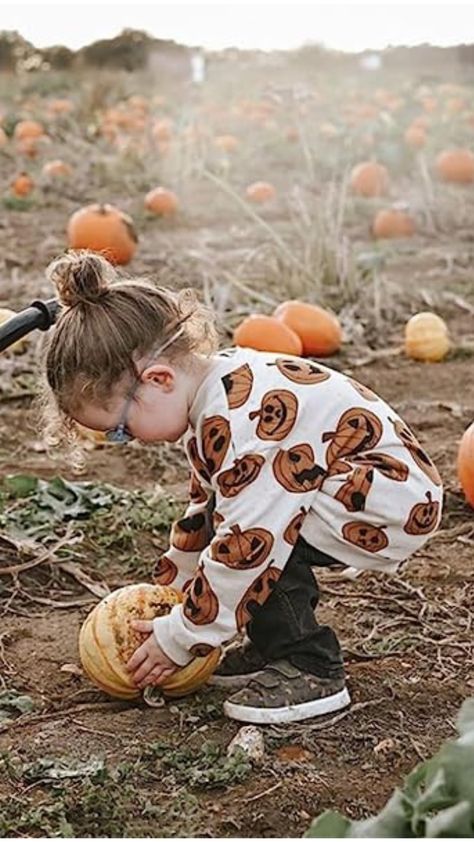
(39, 315)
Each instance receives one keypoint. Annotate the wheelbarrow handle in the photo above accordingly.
(39, 315)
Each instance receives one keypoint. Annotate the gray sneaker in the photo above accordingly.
(239, 665)
(282, 693)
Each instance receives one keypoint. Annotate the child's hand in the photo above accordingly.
(149, 663)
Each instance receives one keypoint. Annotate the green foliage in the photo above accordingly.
(437, 799)
(13, 703)
(203, 768)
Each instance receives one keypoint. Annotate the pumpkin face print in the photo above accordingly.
(201, 605)
(201, 650)
(416, 451)
(292, 531)
(364, 535)
(215, 441)
(242, 550)
(196, 461)
(301, 371)
(196, 492)
(353, 494)
(238, 385)
(165, 571)
(296, 470)
(245, 471)
(256, 595)
(217, 519)
(277, 415)
(357, 430)
(387, 465)
(423, 517)
(366, 393)
(190, 533)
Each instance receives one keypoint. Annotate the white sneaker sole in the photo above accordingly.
(231, 682)
(293, 713)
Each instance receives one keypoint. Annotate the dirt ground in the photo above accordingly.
(407, 639)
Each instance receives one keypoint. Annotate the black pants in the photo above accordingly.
(285, 626)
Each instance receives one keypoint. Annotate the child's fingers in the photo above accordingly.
(143, 671)
(139, 656)
(142, 625)
(156, 677)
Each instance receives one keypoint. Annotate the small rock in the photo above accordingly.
(249, 740)
(384, 746)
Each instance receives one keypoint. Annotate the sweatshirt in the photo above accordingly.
(281, 446)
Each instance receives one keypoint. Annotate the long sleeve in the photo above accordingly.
(190, 534)
(260, 511)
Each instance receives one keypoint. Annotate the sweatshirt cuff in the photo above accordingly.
(164, 637)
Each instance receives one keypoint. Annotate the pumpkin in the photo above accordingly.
(201, 605)
(57, 107)
(300, 371)
(292, 531)
(190, 534)
(354, 491)
(56, 169)
(22, 185)
(408, 438)
(256, 595)
(456, 166)
(423, 517)
(358, 430)
(215, 438)
(389, 224)
(164, 571)
(161, 201)
(244, 472)
(369, 179)
(266, 333)
(426, 337)
(296, 469)
(107, 641)
(104, 229)
(415, 136)
(465, 464)
(318, 329)
(226, 142)
(260, 192)
(369, 538)
(27, 129)
(242, 550)
(277, 415)
(21, 344)
(238, 385)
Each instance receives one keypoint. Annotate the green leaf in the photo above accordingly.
(454, 822)
(465, 720)
(13, 702)
(20, 485)
(329, 825)
(391, 823)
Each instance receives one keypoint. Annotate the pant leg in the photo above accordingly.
(285, 625)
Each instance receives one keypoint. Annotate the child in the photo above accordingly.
(293, 466)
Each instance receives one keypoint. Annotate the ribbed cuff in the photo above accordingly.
(164, 638)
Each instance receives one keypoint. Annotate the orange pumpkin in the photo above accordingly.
(226, 142)
(369, 179)
(260, 192)
(300, 371)
(266, 333)
(390, 224)
(296, 469)
(456, 166)
(238, 385)
(242, 550)
(426, 337)
(22, 185)
(256, 595)
(104, 229)
(28, 129)
(57, 169)
(415, 136)
(162, 130)
(277, 415)
(107, 641)
(58, 107)
(318, 329)
(465, 464)
(161, 201)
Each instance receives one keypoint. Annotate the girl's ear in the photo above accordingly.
(159, 375)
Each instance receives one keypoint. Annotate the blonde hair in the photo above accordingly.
(104, 325)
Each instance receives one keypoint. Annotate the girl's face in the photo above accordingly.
(159, 409)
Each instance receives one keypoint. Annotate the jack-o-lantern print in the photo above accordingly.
(238, 385)
(383, 463)
(198, 464)
(196, 492)
(423, 517)
(353, 493)
(215, 441)
(190, 533)
(370, 538)
(357, 430)
(416, 451)
(277, 415)
(366, 393)
(256, 595)
(242, 550)
(296, 469)
(217, 519)
(165, 571)
(201, 605)
(201, 650)
(301, 371)
(292, 531)
(245, 471)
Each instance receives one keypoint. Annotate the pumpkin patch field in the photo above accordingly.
(321, 210)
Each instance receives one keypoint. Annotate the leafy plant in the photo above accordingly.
(437, 799)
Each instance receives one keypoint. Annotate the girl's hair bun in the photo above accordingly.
(80, 277)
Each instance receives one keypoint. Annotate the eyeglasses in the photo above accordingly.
(120, 434)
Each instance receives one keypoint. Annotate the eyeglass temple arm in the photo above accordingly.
(39, 315)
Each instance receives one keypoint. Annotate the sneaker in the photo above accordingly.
(238, 666)
(282, 693)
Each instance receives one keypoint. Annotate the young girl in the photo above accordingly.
(293, 466)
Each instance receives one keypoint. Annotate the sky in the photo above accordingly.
(345, 26)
